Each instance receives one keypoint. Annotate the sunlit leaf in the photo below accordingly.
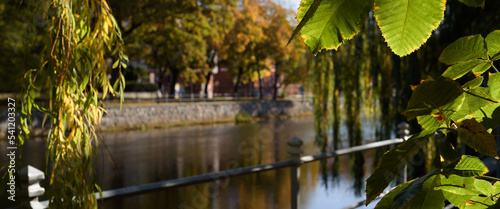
(460, 69)
(484, 187)
(388, 168)
(332, 22)
(458, 190)
(431, 121)
(466, 166)
(475, 135)
(493, 44)
(443, 94)
(405, 24)
(464, 49)
(474, 99)
(494, 84)
(473, 83)
(488, 116)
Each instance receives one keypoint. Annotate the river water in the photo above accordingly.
(137, 157)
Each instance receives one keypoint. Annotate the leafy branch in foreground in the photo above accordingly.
(70, 77)
(446, 110)
(469, 113)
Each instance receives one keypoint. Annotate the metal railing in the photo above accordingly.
(32, 176)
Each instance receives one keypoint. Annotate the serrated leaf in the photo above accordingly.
(405, 24)
(415, 187)
(473, 83)
(473, 3)
(494, 84)
(428, 197)
(458, 70)
(467, 166)
(464, 49)
(484, 187)
(475, 135)
(332, 22)
(388, 199)
(474, 99)
(493, 44)
(393, 162)
(443, 94)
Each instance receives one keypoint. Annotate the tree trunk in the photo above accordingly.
(237, 84)
(276, 77)
(260, 85)
(207, 78)
(175, 76)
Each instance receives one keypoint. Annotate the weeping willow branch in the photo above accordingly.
(81, 35)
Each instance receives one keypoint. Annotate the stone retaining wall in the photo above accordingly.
(133, 116)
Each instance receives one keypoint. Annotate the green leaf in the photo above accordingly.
(494, 84)
(474, 99)
(493, 44)
(415, 187)
(457, 189)
(331, 23)
(484, 187)
(115, 65)
(393, 162)
(475, 135)
(473, 83)
(428, 197)
(405, 24)
(441, 97)
(430, 122)
(467, 166)
(464, 49)
(488, 116)
(388, 199)
(460, 69)
(473, 3)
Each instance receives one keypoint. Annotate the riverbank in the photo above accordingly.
(159, 115)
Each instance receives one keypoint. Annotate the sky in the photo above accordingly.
(289, 4)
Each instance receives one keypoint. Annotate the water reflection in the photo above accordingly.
(140, 157)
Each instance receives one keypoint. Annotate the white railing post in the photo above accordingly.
(30, 178)
(295, 151)
(403, 132)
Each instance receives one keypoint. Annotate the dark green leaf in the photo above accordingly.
(446, 150)
(464, 49)
(415, 187)
(388, 199)
(393, 162)
(428, 197)
(473, 3)
(441, 97)
(475, 135)
(460, 69)
(493, 44)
